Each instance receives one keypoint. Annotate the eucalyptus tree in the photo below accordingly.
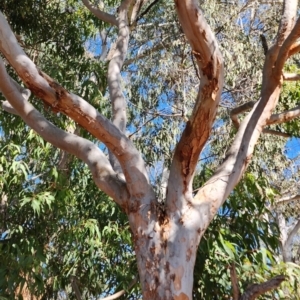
(167, 224)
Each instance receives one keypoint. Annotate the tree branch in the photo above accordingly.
(137, 6)
(288, 199)
(294, 49)
(286, 25)
(77, 109)
(291, 77)
(145, 53)
(103, 174)
(239, 110)
(8, 108)
(121, 293)
(275, 132)
(255, 290)
(101, 15)
(147, 10)
(234, 282)
(215, 191)
(75, 287)
(288, 243)
(210, 62)
(274, 119)
(284, 116)
(287, 45)
(264, 43)
(117, 98)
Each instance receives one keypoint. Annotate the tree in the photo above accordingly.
(166, 226)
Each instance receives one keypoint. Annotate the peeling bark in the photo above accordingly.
(85, 150)
(195, 135)
(165, 234)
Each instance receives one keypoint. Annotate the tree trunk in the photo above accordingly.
(165, 247)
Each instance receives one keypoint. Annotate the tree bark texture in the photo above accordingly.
(166, 233)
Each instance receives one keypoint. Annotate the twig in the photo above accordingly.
(288, 199)
(234, 282)
(275, 132)
(141, 126)
(239, 110)
(120, 293)
(255, 290)
(75, 287)
(147, 10)
(274, 119)
(291, 77)
(264, 43)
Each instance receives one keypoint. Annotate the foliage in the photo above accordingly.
(56, 224)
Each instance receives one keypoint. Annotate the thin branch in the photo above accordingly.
(290, 237)
(255, 290)
(137, 6)
(291, 77)
(53, 94)
(142, 125)
(103, 175)
(284, 116)
(239, 110)
(147, 10)
(288, 199)
(101, 15)
(274, 119)
(275, 132)
(264, 43)
(234, 282)
(145, 53)
(121, 293)
(75, 287)
(103, 34)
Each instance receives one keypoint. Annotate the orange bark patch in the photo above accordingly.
(189, 254)
(181, 296)
(177, 280)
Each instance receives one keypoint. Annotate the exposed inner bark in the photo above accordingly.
(165, 237)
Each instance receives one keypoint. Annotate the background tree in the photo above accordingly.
(147, 113)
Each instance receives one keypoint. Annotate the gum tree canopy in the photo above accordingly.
(167, 217)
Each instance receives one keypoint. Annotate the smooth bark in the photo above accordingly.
(103, 174)
(166, 232)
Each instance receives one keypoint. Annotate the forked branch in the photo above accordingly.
(256, 290)
(210, 62)
(274, 119)
(285, 49)
(286, 25)
(76, 108)
(101, 15)
(219, 186)
(102, 172)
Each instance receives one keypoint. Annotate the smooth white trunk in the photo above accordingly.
(166, 246)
